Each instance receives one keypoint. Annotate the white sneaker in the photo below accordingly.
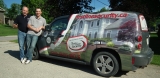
(27, 62)
(23, 60)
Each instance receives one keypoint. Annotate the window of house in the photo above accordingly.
(98, 22)
(92, 24)
(109, 34)
(95, 35)
(74, 27)
(119, 33)
(90, 35)
(81, 24)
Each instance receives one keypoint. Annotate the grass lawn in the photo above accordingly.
(6, 30)
(16, 41)
(154, 45)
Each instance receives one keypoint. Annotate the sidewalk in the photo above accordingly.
(8, 38)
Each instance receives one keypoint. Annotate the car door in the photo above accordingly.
(56, 34)
(52, 36)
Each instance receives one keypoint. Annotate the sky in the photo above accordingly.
(95, 3)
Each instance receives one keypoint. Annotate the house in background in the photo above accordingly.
(4, 19)
(2, 16)
(93, 28)
(98, 28)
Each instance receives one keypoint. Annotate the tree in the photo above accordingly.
(13, 11)
(103, 9)
(2, 4)
(150, 9)
(55, 8)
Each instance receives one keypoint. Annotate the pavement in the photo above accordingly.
(10, 67)
(8, 38)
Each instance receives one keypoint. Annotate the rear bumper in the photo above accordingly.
(141, 60)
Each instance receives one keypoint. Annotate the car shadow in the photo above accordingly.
(84, 68)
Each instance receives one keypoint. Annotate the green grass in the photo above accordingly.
(156, 60)
(6, 30)
(153, 35)
(154, 42)
(16, 41)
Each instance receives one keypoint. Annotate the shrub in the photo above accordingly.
(110, 44)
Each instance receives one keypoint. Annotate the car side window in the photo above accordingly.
(59, 25)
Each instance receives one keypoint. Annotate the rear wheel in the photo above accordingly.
(105, 64)
(35, 54)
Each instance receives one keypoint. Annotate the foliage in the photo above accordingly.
(150, 9)
(13, 11)
(103, 9)
(125, 47)
(2, 4)
(91, 41)
(55, 8)
(110, 44)
(33, 4)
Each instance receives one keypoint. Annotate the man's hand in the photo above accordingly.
(42, 27)
(15, 25)
(37, 30)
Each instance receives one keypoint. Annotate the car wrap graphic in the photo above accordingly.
(86, 32)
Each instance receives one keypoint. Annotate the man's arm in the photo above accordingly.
(44, 24)
(32, 28)
(15, 25)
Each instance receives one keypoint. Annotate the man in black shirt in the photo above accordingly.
(21, 22)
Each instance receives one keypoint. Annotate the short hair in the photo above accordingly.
(25, 7)
(38, 8)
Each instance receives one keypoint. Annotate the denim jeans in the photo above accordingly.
(21, 42)
(31, 43)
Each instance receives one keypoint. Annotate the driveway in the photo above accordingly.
(10, 67)
(8, 38)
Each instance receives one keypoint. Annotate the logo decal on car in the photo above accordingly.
(77, 44)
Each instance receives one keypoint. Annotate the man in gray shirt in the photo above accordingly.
(35, 25)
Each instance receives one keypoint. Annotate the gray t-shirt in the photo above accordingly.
(36, 23)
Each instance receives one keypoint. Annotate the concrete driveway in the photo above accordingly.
(8, 38)
(10, 67)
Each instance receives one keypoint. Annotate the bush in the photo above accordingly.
(110, 44)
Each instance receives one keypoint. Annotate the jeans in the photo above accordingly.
(21, 42)
(31, 43)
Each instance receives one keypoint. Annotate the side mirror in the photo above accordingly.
(60, 35)
(47, 28)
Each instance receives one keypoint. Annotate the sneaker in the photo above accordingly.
(23, 60)
(27, 62)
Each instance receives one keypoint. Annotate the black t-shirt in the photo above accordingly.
(22, 22)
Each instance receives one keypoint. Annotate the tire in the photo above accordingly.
(35, 54)
(99, 63)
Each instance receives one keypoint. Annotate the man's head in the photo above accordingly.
(38, 12)
(25, 10)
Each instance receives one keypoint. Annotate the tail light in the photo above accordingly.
(139, 46)
(139, 38)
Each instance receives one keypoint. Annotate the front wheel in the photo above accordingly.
(35, 54)
(105, 64)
